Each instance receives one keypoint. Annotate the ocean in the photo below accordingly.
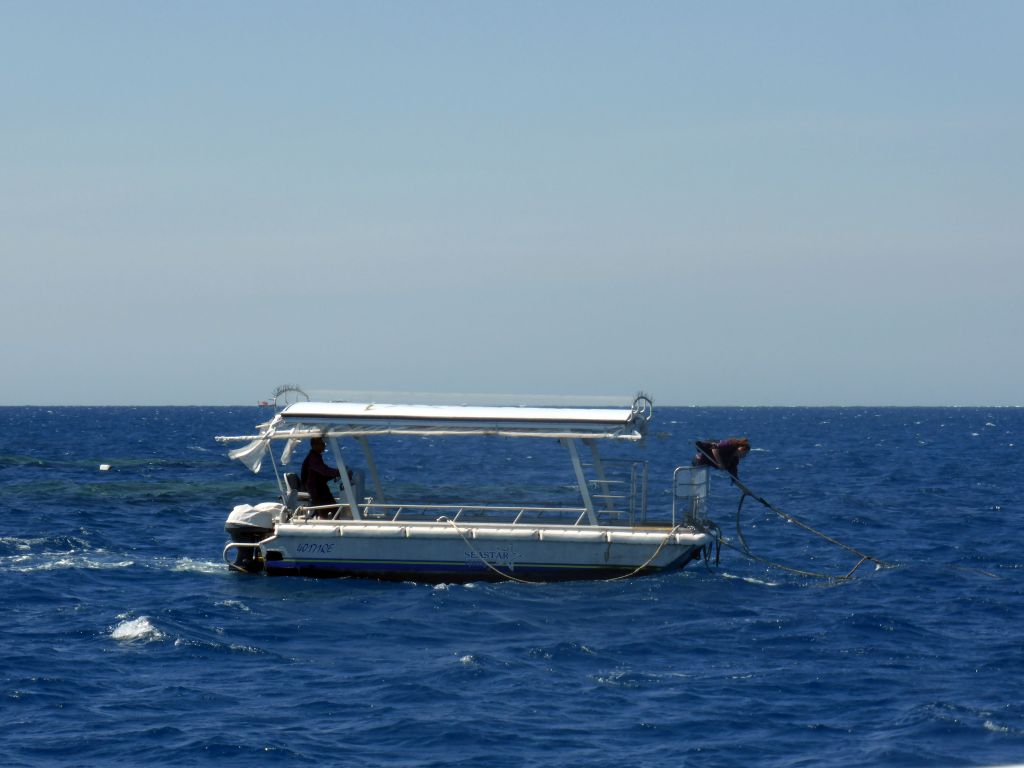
(126, 640)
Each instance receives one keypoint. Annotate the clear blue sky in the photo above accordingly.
(723, 203)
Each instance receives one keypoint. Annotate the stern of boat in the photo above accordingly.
(248, 526)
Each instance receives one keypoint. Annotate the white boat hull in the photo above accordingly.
(443, 552)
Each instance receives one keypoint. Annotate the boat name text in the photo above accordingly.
(494, 556)
(313, 548)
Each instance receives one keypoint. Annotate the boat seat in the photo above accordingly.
(293, 496)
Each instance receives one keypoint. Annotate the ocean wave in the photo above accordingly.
(16, 544)
(988, 725)
(100, 560)
(627, 678)
(188, 565)
(561, 651)
(185, 642)
(141, 629)
(751, 580)
(136, 630)
(235, 604)
(55, 561)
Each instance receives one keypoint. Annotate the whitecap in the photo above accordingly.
(235, 604)
(22, 545)
(988, 725)
(467, 659)
(136, 629)
(188, 565)
(627, 678)
(751, 580)
(53, 562)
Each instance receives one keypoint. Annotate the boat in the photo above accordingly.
(601, 531)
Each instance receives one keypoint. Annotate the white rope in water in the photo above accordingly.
(790, 518)
(481, 557)
(510, 577)
(651, 558)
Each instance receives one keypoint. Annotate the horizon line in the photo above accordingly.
(382, 402)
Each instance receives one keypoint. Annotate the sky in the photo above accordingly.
(728, 203)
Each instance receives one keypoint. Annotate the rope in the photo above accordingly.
(510, 577)
(484, 560)
(745, 549)
(789, 518)
(711, 527)
(650, 559)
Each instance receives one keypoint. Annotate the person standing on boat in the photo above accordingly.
(722, 454)
(316, 473)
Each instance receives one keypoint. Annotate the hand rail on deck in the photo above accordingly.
(241, 544)
(521, 513)
(694, 491)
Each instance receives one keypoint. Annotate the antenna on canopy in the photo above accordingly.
(643, 405)
(643, 409)
(286, 394)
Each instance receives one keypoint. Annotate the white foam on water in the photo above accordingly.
(134, 630)
(751, 580)
(235, 604)
(99, 560)
(23, 545)
(188, 565)
(53, 562)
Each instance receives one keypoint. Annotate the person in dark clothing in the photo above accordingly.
(722, 454)
(316, 473)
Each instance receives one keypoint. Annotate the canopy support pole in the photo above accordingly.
(581, 480)
(595, 454)
(346, 483)
(371, 464)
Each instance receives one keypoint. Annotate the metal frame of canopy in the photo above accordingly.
(570, 426)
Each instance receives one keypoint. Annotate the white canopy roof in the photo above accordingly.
(378, 416)
(339, 419)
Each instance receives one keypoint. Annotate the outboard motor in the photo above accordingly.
(247, 525)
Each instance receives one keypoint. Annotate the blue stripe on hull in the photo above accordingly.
(456, 572)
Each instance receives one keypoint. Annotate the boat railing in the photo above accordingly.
(477, 513)
(690, 488)
(467, 513)
(622, 493)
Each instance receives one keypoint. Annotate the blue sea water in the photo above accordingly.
(126, 641)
